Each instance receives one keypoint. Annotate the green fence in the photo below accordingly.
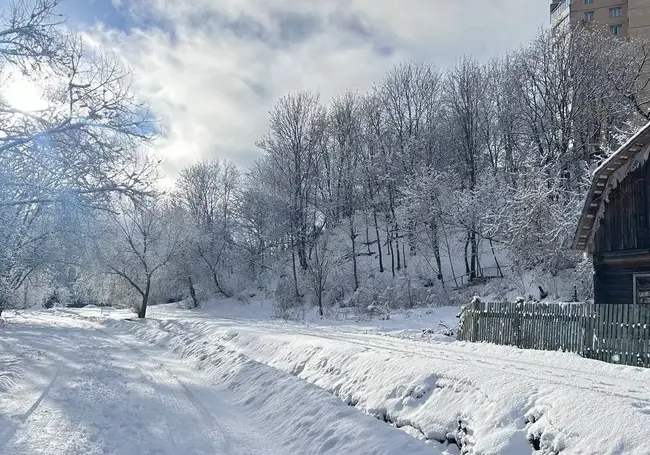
(612, 333)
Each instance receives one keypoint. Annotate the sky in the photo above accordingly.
(212, 69)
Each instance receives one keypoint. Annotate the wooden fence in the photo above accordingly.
(611, 333)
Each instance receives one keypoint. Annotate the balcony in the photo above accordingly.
(559, 10)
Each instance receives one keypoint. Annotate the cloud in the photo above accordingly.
(212, 69)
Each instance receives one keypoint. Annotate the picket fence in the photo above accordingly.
(611, 333)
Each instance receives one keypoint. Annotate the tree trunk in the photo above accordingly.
(218, 285)
(451, 262)
(320, 283)
(436, 248)
(302, 243)
(392, 253)
(474, 258)
(353, 238)
(496, 261)
(320, 303)
(368, 238)
(381, 261)
(467, 267)
(295, 273)
(412, 227)
(142, 311)
(399, 262)
(195, 302)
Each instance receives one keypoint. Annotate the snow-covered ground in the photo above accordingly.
(91, 390)
(253, 385)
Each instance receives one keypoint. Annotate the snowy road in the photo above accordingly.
(93, 394)
(86, 390)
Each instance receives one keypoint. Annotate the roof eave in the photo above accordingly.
(601, 180)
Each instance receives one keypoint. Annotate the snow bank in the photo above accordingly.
(491, 399)
(306, 419)
(10, 365)
(10, 369)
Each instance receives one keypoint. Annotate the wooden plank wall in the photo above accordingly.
(611, 333)
(625, 224)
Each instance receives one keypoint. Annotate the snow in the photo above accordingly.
(341, 387)
(625, 146)
(95, 391)
(9, 370)
(508, 399)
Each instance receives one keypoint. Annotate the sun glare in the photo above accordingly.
(21, 93)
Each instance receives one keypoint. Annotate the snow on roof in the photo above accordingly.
(606, 177)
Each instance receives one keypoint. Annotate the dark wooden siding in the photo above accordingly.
(614, 275)
(624, 225)
(621, 245)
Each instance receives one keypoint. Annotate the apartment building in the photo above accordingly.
(624, 18)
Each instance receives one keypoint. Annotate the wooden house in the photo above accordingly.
(615, 224)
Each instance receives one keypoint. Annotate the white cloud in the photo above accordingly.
(212, 69)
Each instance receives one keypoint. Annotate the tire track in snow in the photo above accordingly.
(427, 345)
(23, 417)
(435, 352)
(187, 393)
(19, 420)
(550, 375)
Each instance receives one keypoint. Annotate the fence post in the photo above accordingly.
(475, 317)
(585, 318)
(517, 324)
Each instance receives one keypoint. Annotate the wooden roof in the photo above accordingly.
(602, 181)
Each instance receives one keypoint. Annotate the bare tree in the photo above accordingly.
(294, 147)
(209, 191)
(465, 103)
(321, 266)
(342, 160)
(372, 151)
(139, 245)
(411, 96)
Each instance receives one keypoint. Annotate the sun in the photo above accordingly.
(19, 92)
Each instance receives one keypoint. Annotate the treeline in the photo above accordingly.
(429, 167)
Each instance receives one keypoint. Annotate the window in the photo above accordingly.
(616, 12)
(641, 289)
(617, 30)
(588, 2)
(589, 16)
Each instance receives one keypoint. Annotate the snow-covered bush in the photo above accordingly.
(287, 304)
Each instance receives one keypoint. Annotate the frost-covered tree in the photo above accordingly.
(481, 162)
(76, 145)
(209, 191)
(294, 147)
(137, 243)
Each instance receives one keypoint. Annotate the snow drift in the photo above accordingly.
(485, 399)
